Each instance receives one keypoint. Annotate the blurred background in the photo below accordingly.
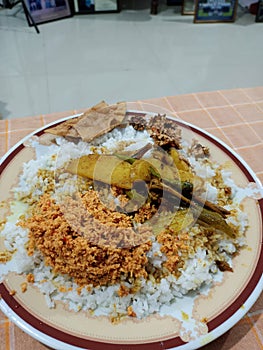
(76, 62)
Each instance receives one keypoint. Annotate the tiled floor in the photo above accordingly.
(76, 62)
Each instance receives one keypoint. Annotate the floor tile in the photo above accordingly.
(249, 112)
(225, 116)
(92, 88)
(131, 55)
(23, 96)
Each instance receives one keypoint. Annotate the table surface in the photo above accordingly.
(235, 117)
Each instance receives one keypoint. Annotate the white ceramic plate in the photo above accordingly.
(224, 306)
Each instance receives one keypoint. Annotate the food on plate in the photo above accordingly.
(94, 122)
(122, 217)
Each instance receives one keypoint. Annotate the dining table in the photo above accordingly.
(235, 116)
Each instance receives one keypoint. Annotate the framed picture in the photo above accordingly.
(96, 6)
(174, 2)
(188, 7)
(43, 11)
(215, 11)
(259, 15)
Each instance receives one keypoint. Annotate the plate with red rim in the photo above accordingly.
(222, 308)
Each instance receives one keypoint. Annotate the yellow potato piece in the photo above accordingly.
(178, 221)
(141, 170)
(179, 162)
(186, 176)
(181, 220)
(110, 170)
(163, 170)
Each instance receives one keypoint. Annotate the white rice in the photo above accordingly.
(199, 270)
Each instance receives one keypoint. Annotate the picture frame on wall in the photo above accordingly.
(43, 11)
(259, 15)
(96, 6)
(215, 11)
(188, 7)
